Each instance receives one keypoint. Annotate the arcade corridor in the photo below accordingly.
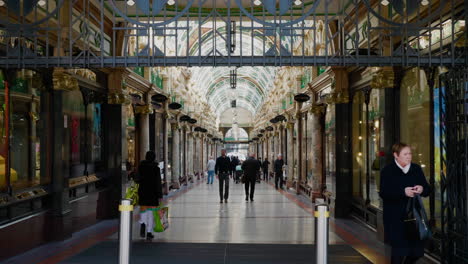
(319, 91)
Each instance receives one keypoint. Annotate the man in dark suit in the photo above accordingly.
(222, 169)
(279, 171)
(250, 167)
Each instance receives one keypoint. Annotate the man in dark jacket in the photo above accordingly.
(279, 171)
(222, 169)
(149, 192)
(250, 167)
(265, 166)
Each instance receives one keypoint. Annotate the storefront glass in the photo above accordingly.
(359, 146)
(83, 136)
(368, 144)
(415, 123)
(130, 117)
(24, 134)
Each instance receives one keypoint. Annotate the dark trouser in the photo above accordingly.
(265, 175)
(404, 259)
(223, 185)
(250, 182)
(278, 177)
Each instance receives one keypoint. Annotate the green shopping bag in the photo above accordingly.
(132, 193)
(161, 219)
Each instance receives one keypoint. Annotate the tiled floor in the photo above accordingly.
(197, 216)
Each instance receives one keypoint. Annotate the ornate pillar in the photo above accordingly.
(184, 154)
(144, 140)
(190, 155)
(318, 162)
(291, 152)
(299, 175)
(175, 166)
(196, 154)
(166, 152)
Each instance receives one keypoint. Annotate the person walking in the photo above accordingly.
(223, 169)
(265, 166)
(250, 167)
(399, 181)
(149, 193)
(279, 171)
(210, 167)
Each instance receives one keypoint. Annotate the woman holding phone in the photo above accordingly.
(399, 181)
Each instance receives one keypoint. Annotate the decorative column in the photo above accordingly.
(184, 155)
(291, 152)
(166, 152)
(318, 162)
(175, 156)
(299, 151)
(190, 155)
(144, 139)
(196, 156)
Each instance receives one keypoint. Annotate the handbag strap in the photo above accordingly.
(410, 204)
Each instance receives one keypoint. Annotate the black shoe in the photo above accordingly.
(142, 230)
(225, 200)
(221, 201)
(247, 199)
(149, 236)
(251, 199)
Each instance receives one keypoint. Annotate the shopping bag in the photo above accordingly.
(132, 193)
(161, 219)
(415, 221)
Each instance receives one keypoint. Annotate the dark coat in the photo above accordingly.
(223, 165)
(279, 166)
(393, 182)
(150, 187)
(250, 167)
(265, 165)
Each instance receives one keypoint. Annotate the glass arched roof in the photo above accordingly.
(253, 83)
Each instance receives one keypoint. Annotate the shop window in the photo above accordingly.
(359, 146)
(130, 162)
(24, 153)
(438, 153)
(415, 123)
(367, 124)
(83, 136)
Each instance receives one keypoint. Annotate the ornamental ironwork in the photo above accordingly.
(144, 33)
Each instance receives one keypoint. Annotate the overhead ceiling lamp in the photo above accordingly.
(385, 2)
(2, 3)
(171, 2)
(257, 2)
(41, 2)
(130, 2)
(301, 98)
(298, 2)
(424, 2)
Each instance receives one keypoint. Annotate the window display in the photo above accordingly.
(25, 147)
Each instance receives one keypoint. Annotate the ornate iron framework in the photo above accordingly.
(454, 165)
(111, 33)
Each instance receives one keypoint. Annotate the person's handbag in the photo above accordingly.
(161, 219)
(243, 178)
(416, 224)
(132, 193)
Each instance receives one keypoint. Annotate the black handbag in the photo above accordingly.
(416, 225)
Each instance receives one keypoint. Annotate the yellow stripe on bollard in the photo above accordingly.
(317, 214)
(125, 208)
